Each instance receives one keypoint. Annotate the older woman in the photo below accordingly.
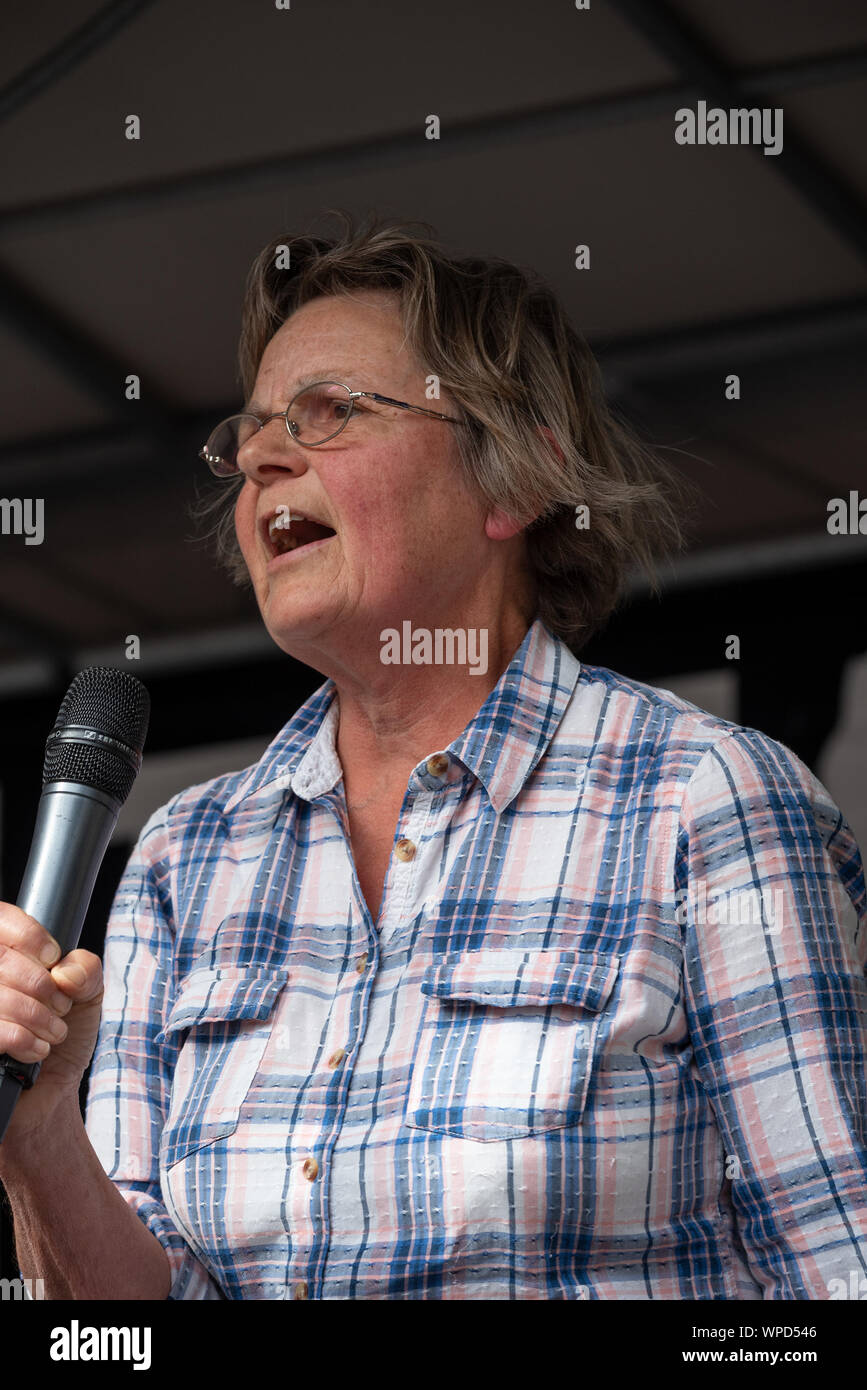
(492, 979)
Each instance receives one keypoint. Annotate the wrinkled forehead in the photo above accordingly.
(354, 313)
(342, 337)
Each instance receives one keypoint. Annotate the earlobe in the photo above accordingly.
(499, 526)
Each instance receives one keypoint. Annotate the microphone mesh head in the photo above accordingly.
(112, 703)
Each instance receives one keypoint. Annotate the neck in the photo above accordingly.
(404, 712)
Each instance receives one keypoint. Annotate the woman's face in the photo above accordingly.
(409, 535)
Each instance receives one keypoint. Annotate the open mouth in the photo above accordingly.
(285, 532)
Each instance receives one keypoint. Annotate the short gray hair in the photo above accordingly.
(503, 349)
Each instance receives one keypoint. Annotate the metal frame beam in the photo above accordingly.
(389, 151)
(66, 55)
(681, 43)
(78, 354)
(752, 338)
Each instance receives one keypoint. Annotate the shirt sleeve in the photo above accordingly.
(775, 941)
(130, 1077)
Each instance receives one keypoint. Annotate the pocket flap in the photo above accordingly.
(512, 977)
(223, 995)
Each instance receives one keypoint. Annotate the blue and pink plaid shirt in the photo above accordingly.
(607, 1039)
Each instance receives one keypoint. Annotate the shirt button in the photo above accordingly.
(405, 850)
(361, 964)
(311, 1169)
(300, 1290)
(337, 1057)
(438, 765)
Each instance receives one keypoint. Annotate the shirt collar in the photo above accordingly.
(501, 745)
(308, 738)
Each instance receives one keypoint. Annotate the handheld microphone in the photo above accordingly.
(92, 757)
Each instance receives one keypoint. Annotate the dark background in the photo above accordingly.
(557, 129)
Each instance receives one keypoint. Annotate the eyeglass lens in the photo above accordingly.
(316, 414)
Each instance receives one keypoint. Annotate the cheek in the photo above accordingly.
(245, 520)
(392, 495)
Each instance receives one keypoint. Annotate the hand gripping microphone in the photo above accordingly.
(92, 757)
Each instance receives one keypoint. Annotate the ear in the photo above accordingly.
(499, 526)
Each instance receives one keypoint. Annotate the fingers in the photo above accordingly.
(21, 973)
(19, 932)
(28, 1026)
(79, 976)
(34, 999)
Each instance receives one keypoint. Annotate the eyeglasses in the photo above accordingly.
(316, 414)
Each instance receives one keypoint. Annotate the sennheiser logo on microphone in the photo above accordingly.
(80, 733)
(23, 516)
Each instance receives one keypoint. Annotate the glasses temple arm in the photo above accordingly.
(404, 405)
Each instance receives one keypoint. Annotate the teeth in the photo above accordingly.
(279, 532)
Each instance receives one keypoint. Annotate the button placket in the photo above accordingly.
(405, 857)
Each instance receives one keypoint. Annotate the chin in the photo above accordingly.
(290, 623)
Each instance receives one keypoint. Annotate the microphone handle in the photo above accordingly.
(74, 824)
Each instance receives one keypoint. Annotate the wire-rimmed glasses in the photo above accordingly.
(315, 414)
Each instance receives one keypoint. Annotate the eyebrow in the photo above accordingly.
(320, 374)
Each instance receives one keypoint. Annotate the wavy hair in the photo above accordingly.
(502, 347)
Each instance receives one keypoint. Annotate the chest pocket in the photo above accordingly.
(507, 1041)
(222, 1019)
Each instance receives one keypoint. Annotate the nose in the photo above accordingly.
(271, 450)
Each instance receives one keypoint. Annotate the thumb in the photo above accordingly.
(79, 975)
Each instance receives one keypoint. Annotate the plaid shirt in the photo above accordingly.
(606, 1040)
